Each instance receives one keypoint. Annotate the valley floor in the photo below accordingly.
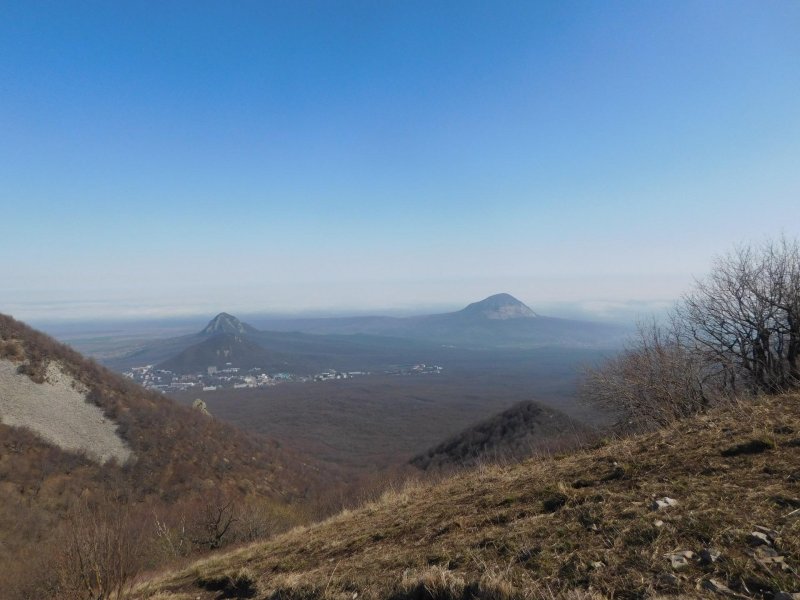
(366, 425)
(707, 508)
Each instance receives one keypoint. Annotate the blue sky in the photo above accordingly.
(184, 157)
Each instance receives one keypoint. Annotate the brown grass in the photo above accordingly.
(577, 526)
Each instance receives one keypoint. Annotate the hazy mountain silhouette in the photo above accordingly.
(309, 345)
(225, 323)
(499, 306)
(515, 433)
(224, 349)
(220, 343)
(499, 321)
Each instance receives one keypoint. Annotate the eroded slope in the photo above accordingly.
(57, 410)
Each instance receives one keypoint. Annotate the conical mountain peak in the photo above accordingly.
(499, 306)
(226, 323)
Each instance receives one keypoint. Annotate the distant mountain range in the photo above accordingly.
(309, 345)
(499, 321)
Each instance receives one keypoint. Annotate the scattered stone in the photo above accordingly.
(758, 538)
(709, 556)
(596, 564)
(716, 586)
(768, 557)
(773, 561)
(678, 561)
(665, 502)
(681, 559)
(765, 552)
(658, 523)
(771, 533)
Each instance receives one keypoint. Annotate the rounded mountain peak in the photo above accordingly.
(500, 306)
(225, 323)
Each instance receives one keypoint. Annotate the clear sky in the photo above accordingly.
(188, 157)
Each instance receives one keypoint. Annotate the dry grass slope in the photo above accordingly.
(581, 525)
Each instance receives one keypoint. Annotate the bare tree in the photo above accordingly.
(745, 316)
(214, 521)
(737, 331)
(783, 268)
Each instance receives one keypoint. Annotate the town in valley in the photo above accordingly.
(230, 377)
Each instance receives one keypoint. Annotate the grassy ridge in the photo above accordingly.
(580, 525)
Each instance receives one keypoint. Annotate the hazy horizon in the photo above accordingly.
(553, 301)
(623, 313)
(165, 160)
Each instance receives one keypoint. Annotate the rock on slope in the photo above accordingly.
(581, 525)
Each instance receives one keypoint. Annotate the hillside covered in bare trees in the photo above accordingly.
(164, 481)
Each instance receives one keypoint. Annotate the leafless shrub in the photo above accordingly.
(259, 519)
(213, 520)
(737, 330)
(101, 552)
(657, 379)
(171, 536)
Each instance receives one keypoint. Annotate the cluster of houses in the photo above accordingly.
(164, 380)
(230, 377)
